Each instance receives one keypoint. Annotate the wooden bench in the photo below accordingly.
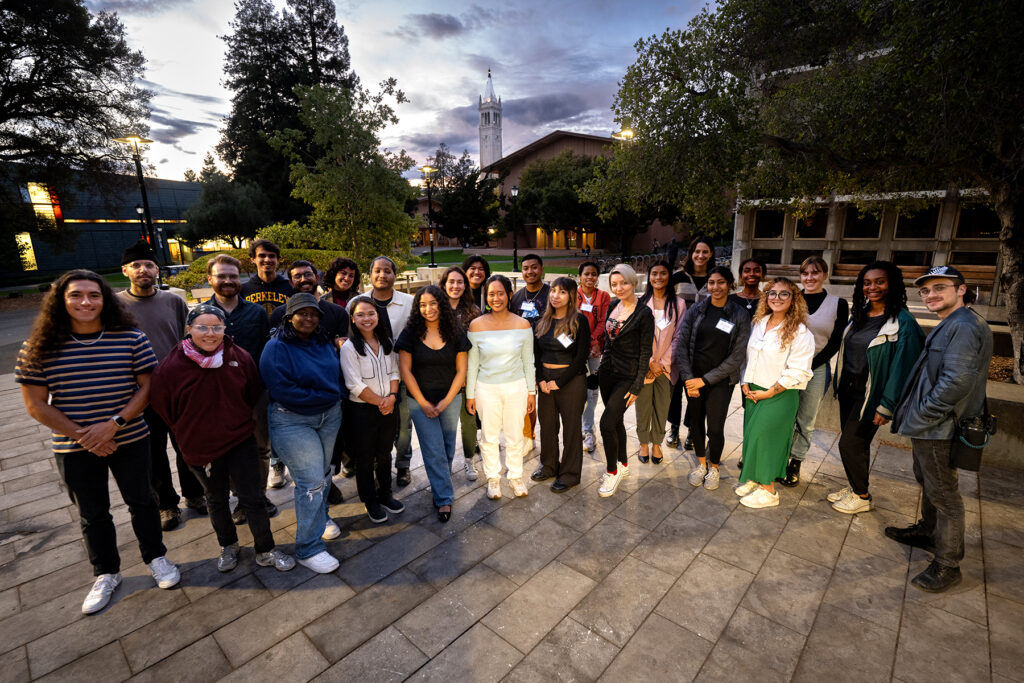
(792, 271)
(980, 276)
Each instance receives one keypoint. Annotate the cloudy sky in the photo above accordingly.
(555, 65)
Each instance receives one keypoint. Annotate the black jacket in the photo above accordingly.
(682, 354)
(628, 355)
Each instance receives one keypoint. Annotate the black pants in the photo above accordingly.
(340, 457)
(675, 406)
(855, 440)
(238, 467)
(942, 507)
(163, 486)
(87, 478)
(369, 437)
(613, 428)
(707, 414)
(566, 404)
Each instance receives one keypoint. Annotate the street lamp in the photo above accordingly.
(142, 221)
(624, 135)
(427, 170)
(135, 141)
(515, 232)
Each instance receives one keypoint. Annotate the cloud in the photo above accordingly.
(162, 91)
(171, 129)
(145, 7)
(436, 25)
(439, 26)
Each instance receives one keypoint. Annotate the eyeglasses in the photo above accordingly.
(937, 289)
(207, 329)
(775, 294)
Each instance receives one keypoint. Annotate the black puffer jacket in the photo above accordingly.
(682, 354)
(629, 353)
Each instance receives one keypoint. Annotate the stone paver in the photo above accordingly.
(661, 582)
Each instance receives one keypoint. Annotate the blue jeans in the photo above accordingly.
(437, 444)
(305, 444)
(403, 437)
(807, 412)
(592, 394)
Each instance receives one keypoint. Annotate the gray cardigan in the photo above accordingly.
(682, 354)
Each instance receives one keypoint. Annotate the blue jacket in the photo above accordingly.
(303, 376)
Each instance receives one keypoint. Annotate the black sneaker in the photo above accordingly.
(403, 478)
(688, 443)
(540, 475)
(197, 504)
(937, 578)
(376, 513)
(673, 437)
(912, 535)
(238, 516)
(271, 508)
(393, 506)
(792, 477)
(170, 519)
(334, 496)
(348, 472)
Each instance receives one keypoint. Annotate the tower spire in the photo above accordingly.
(490, 124)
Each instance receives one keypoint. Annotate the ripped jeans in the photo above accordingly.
(305, 444)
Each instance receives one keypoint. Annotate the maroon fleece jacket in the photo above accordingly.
(209, 410)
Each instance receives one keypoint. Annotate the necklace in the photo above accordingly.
(91, 342)
(535, 294)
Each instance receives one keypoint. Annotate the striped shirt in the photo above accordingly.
(92, 382)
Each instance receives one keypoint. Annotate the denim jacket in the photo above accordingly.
(948, 380)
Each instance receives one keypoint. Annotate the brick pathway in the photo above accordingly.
(661, 582)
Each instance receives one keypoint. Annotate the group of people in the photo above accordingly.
(266, 381)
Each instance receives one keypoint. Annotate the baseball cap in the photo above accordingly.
(940, 271)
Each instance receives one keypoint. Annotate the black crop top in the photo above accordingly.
(547, 349)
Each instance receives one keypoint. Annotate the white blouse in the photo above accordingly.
(372, 370)
(769, 362)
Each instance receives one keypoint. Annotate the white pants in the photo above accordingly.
(502, 407)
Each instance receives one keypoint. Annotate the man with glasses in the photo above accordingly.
(161, 316)
(946, 384)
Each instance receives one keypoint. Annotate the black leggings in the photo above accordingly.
(855, 439)
(710, 409)
(613, 428)
(370, 436)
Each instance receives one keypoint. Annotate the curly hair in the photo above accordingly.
(336, 266)
(795, 316)
(895, 300)
(570, 323)
(52, 327)
(446, 323)
(467, 308)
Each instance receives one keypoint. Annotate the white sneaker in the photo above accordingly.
(837, 496)
(518, 488)
(494, 488)
(471, 473)
(711, 479)
(589, 444)
(165, 573)
(100, 593)
(851, 504)
(697, 475)
(322, 563)
(746, 488)
(761, 498)
(610, 482)
(623, 469)
(331, 531)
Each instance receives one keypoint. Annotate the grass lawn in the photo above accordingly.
(447, 257)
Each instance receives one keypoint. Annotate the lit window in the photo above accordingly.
(25, 250)
(45, 203)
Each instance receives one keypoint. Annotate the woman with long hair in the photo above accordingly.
(342, 281)
(708, 355)
(478, 271)
(629, 339)
(562, 348)
(500, 383)
(432, 353)
(753, 271)
(85, 373)
(653, 401)
(879, 349)
(593, 303)
(370, 366)
(827, 315)
(779, 354)
(456, 287)
(300, 367)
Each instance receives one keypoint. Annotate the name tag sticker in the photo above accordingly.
(587, 308)
(663, 323)
(725, 326)
(528, 306)
(565, 340)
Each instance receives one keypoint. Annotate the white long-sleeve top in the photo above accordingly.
(372, 370)
(769, 362)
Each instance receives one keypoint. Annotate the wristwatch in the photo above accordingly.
(119, 421)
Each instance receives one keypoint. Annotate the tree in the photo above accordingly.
(468, 201)
(190, 176)
(781, 100)
(68, 86)
(269, 55)
(227, 209)
(356, 190)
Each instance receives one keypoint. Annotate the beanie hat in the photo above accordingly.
(140, 251)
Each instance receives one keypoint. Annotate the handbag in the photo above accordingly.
(970, 436)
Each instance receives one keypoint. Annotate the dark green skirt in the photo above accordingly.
(768, 435)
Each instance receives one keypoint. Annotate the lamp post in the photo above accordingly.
(142, 221)
(624, 135)
(515, 231)
(155, 240)
(427, 170)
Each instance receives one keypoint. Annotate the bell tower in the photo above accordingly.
(490, 125)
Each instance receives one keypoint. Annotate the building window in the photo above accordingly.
(857, 256)
(26, 251)
(973, 258)
(813, 227)
(920, 225)
(768, 224)
(978, 222)
(912, 258)
(768, 255)
(800, 254)
(861, 227)
(44, 203)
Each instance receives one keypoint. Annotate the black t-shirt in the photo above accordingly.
(749, 305)
(712, 345)
(434, 369)
(855, 347)
(539, 299)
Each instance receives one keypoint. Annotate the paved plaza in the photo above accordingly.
(661, 582)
